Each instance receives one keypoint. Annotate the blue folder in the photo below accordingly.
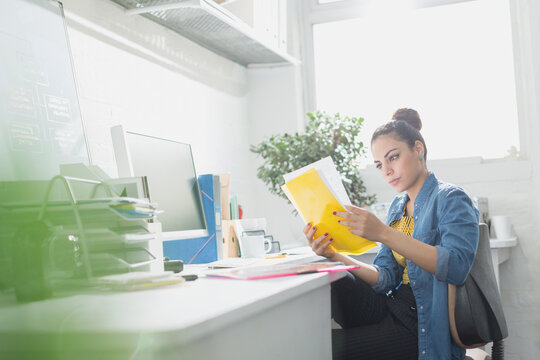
(204, 249)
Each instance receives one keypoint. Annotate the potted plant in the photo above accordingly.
(325, 135)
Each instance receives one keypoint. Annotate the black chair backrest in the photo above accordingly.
(479, 316)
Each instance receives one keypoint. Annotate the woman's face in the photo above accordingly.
(399, 165)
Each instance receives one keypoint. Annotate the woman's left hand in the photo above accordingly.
(361, 222)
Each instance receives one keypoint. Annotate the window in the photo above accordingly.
(452, 63)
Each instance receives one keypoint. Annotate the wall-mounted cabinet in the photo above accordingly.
(219, 30)
(267, 18)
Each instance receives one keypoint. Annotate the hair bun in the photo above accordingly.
(410, 116)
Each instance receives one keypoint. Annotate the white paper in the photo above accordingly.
(330, 176)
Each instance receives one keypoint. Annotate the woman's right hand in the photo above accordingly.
(321, 244)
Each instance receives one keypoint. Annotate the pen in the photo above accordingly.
(307, 272)
(161, 282)
(391, 292)
(278, 256)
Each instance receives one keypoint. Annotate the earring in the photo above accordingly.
(421, 157)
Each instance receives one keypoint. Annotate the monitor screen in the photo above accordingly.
(172, 183)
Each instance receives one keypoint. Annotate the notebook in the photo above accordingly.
(233, 263)
(138, 280)
(279, 270)
(136, 277)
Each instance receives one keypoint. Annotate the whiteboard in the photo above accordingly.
(40, 119)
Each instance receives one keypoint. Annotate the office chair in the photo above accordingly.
(475, 310)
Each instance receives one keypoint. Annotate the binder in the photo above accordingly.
(316, 203)
(203, 249)
(218, 216)
(225, 183)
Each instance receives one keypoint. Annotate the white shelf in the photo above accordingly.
(211, 26)
(503, 243)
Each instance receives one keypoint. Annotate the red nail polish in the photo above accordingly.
(334, 213)
(325, 234)
(331, 239)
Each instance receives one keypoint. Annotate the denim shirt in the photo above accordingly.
(444, 217)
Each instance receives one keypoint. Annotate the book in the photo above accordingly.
(218, 216)
(316, 191)
(233, 207)
(279, 270)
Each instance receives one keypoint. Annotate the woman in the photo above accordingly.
(397, 308)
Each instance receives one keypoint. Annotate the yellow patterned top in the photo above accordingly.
(406, 226)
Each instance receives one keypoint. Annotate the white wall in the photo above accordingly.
(134, 72)
(274, 108)
(520, 288)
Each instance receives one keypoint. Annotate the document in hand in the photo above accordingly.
(316, 191)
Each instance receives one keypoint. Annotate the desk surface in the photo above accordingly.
(185, 312)
(193, 320)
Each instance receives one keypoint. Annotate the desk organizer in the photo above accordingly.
(65, 244)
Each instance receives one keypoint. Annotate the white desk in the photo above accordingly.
(285, 318)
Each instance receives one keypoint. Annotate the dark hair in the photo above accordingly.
(405, 125)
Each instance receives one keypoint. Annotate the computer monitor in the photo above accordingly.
(172, 180)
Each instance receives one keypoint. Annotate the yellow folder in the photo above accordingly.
(316, 203)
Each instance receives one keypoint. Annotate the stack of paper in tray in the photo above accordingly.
(316, 191)
(135, 208)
